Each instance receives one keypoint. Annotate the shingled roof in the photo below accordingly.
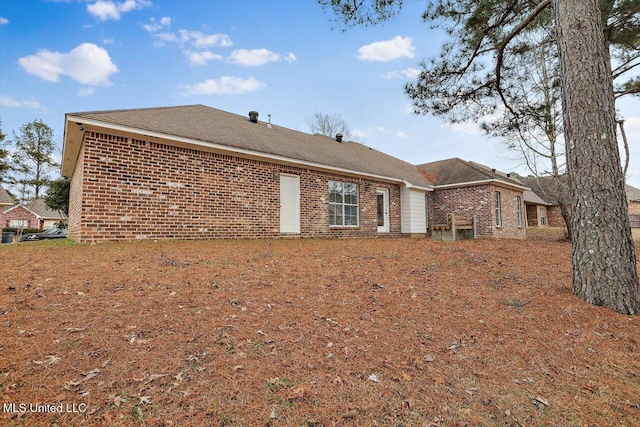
(40, 208)
(550, 189)
(220, 129)
(5, 198)
(458, 172)
(633, 193)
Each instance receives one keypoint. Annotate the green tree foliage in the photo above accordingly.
(57, 195)
(33, 156)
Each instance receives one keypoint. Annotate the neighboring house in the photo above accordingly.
(195, 172)
(469, 188)
(5, 202)
(543, 201)
(32, 215)
(543, 208)
(633, 198)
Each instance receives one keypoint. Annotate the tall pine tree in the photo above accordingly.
(471, 79)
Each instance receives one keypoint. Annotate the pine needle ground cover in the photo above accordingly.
(396, 332)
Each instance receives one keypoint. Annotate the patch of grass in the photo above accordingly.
(516, 303)
(278, 382)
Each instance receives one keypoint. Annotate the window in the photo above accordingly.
(543, 216)
(498, 210)
(19, 223)
(343, 204)
(519, 210)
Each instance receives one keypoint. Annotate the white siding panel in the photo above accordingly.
(413, 215)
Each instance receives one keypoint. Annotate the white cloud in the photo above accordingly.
(408, 109)
(257, 57)
(195, 38)
(401, 134)
(388, 50)
(409, 73)
(469, 128)
(154, 25)
(223, 86)
(107, 9)
(359, 134)
(632, 127)
(3, 21)
(201, 58)
(7, 101)
(86, 91)
(87, 64)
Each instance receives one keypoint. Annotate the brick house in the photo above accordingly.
(469, 188)
(543, 208)
(34, 215)
(633, 198)
(5, 202)
(195, 172)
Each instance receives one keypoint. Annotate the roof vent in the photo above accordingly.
(339, 137)
(508, 175)
(493, 170)
(253, 116)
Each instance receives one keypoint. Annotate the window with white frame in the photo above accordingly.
(519, 210)
(498, 210)
(343, 204)
(543, 216)
(19, 223)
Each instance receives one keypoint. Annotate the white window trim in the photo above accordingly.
(24, 223)
(498, 208)
(343, 204)
(519, 211)
(543, 216)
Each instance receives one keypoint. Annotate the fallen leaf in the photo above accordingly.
(350, 414)
(298, 393)
(91, 374)
(374, 378)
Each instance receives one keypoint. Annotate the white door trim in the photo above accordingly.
(384, 227)
(289, 204)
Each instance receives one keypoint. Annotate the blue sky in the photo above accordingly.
(277, 57)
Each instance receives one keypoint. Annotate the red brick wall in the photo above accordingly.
(20, 213)
(478, 200)
(554, 217)
(634, 208)
(532, 216)
(133, 189)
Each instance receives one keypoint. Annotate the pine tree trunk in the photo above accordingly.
(604, 262)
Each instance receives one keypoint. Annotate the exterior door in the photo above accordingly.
(382, 199)
(289, 204)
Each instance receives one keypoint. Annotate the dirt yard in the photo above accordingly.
(397, 332)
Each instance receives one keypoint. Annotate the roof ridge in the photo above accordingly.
(124, 110)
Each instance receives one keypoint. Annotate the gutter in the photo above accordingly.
(485, 181)
(211, 146)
